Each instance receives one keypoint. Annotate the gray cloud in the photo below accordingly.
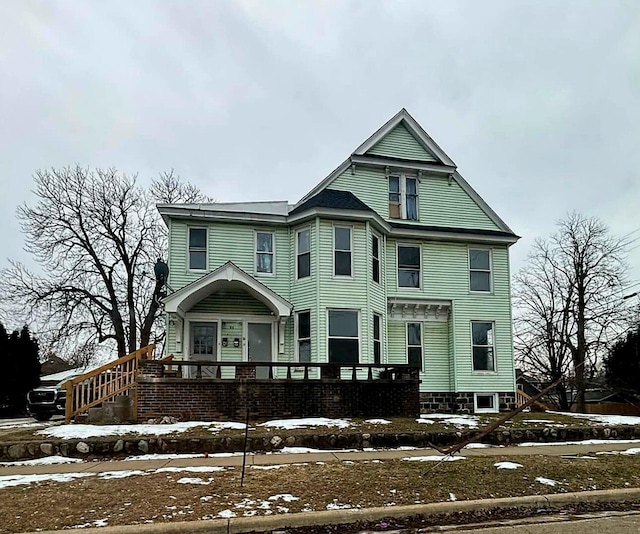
(536, 101)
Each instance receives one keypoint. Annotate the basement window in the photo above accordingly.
(485, 402)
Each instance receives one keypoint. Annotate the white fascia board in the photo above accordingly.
(418, 300)
(375, 161)
(481, 203)
(326, 182)
(226, 273)
(434, 235)
(349, 215)
(414, 128)
(176, 212)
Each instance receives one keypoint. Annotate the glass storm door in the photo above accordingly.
(259, 346)
(204, 346)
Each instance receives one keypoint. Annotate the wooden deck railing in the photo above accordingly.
(104, 383)
(294, 370)
(522, 397)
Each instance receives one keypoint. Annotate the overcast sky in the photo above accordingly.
(538, 102)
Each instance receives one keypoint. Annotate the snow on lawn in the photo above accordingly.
(377, 421)
(433, 458)
(47, 460)
(187, 480)
(630, 452)
(109, 475)
(286, 497)
(547, 481)
(97, 431)
(605, 419)
(305, 450)
(583, 442)
(190, 469)
(507, 465)
(292, 424)
(19, 480)
(470, 421)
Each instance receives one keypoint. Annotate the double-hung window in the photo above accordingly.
(414, 343)
(375, 258)
(264, 252)
(480, 269)
(303, 253)
(344, 338)
(483, 346)
(403, 197)
(377, 338)
(197, 249)
(304, 336)
(342, 251)
(409, 266)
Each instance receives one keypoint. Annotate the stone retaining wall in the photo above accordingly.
(118, 447)
(461, 402)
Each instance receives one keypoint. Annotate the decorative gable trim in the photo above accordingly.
(423, 138)
(182, 300)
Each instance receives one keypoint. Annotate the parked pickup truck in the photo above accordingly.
(46, 401)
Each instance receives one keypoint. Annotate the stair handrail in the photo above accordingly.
(97, 386)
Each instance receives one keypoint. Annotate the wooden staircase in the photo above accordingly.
(103, 384)
(522, 398)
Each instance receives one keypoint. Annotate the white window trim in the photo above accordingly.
(495, 359)
(496, 403)
(206, 249)
(298, 231)
(475, 291)
(379, 340)
(296, 334)
(255, 252)
(376, 236)
(406, 288)
(402, 178)
(406, 341)
(350, 228)
(342, 337)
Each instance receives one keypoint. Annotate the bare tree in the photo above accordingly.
(96, 236)
(568, 302)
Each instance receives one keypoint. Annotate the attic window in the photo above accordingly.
(403, 197)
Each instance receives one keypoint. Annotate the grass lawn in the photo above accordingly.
(159, 497)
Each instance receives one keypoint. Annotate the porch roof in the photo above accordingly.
(229, 274)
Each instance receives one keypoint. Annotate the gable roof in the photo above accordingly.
(444, 165)
(332, 198)
(404, 120)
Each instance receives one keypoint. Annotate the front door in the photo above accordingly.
(259, 346)
(204, 346)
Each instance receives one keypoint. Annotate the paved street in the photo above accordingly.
(613, 523)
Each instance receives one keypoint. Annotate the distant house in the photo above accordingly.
(53, 364)
(393, 258)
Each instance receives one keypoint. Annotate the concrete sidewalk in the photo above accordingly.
(310, 457)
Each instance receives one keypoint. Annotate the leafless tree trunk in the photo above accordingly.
(568, 303)
(96, 236)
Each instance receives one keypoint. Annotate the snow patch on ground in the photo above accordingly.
(631, 452)
(97, 431)
(190, 469)
(188, 480)
(433, 458)
(10, 481)
(452, 497)
(583, 442)
(477, 446)
(602, 419)
(335, 505)
(507, 465)
(377, 421)
(307, 422)
(546, 481)
(47, 460)
(227, 513)
(286, 497)
(109, 475)
(469, 421)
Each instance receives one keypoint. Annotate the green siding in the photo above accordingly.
(440, 203)
(435, 354)
(396, 338)
(399, 143)
(231, 302)
(230, 330)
